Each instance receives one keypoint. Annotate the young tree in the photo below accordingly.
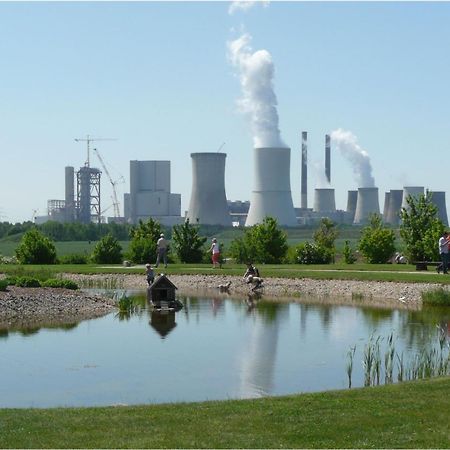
(35, 248)
(107, 251)
(325, 238)
(377, 242)
(144, 236)
(187, 242)
(262, 243)
(347, 253)
(421, 229)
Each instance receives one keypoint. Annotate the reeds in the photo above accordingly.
(430, 362)
(436, 297)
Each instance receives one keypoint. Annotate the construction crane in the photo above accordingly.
(113, 184)
(221, 147)
(88, 139)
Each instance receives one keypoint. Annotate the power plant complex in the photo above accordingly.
(150, 194)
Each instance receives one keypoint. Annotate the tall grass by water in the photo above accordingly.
(384, 362)
(436, 297)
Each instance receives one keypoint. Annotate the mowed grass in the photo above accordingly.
(406, 415)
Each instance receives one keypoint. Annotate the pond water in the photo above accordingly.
(212, 349)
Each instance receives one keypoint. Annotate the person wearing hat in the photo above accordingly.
(215, 251)
(161, 250)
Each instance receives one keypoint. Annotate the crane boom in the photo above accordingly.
(88, 139)
(113, 184)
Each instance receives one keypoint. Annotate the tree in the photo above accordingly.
(144, 237)
(261, 243)
(312, 253)
(347, 253)
(107, 251)
(421, 229)
(325, 237)
(187, 242)
(377, 242)
(35, 248)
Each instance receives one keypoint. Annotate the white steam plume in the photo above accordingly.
(245, 5)
(256, 72)
(347, 144)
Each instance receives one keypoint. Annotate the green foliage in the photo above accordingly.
(58, 283)
(187, 242)
(421, 229)
(28, 282)
(125, 304)
(35, 248)
(107, 251)
(377, 242)
(3, 285)
(262, 243)
(74, 258)
(144, 237)
(311, 253)
(347, 253)
(436, 297)
(326, 235)
(10, 280)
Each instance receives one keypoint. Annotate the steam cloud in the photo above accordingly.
(256, 73)
(245, 5)
(347, 144)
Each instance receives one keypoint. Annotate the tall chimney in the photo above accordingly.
(304, 187)
(327, 158)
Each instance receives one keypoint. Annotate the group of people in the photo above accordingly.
(161, 256)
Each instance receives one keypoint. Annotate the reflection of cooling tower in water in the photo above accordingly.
(413, 191)
(208, 204)
(392, 215)
(272, 187)
(366, 204)
(438, 199)
(324, 200)
(352, 197)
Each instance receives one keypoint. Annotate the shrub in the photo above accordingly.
(349, 256)
(10, 280)
(3, 285)
(187, 242)
(436, 297)
(144, 237)
(74, 258)
(28, 282)
(35, 248)
(8, 260)
(377, 242)
(311, 253)
(107, 251)
(58, 283)
(325, 236)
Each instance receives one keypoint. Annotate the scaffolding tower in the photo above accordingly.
(88, 195)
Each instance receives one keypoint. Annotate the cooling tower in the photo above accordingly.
(413, 191)
(324, 200)
(69, 194)
(208, 203)
(438, 199)
(394, 208)
(352, 197)
(272, 187)
(304, 186)
(328, 158)
(387, 198)
(366, 204)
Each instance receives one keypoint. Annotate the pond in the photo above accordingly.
(212, 349)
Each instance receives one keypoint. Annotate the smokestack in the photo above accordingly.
(352, 197)
(438, 199)
(324, 201)
(69, 193)
(366, 204)
(395, 205)
(208, 204)
(304, 186)
(327, 158)
(272, 187)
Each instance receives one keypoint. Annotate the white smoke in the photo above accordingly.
(256, 73)
(245, 5)
(320, 177)
(347, 144)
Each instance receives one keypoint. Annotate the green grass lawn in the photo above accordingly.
(406, 415)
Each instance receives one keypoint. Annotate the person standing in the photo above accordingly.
(150, 275)
(443, 251)
(215, 251)
(161, 250)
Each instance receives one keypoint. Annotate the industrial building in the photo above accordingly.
(150, 195)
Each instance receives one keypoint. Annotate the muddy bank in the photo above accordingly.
(20, 307)
(373, 293)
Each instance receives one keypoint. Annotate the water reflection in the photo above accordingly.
(163, 322)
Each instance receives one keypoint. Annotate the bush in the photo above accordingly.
(377, 242)
(349, 256)
(57, 283)
(325, 236)
(3, 285)
(311, 253)
(8, 260)
(10, 280)
(107, 251)
(187, 243)
(35, 248)
(144, 237)
(28, 282)
(74, 258)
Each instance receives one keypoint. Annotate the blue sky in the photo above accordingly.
(155, 75)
